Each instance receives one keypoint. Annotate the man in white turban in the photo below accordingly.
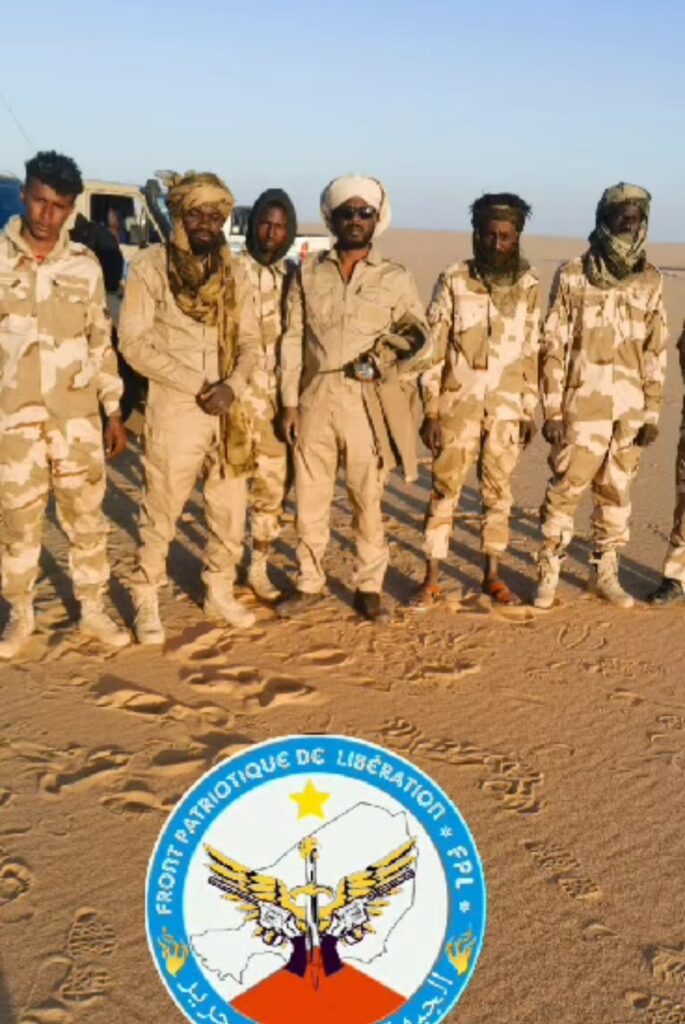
(353, 324)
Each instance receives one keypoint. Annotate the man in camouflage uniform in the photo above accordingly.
(188, 324)
(671, 590)
(603, 364)
(355, 318)
(271, 230)
(57, 366)
(480, 398)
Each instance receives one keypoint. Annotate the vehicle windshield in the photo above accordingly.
(10, 201)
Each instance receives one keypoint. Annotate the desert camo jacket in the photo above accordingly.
(268, 285)
(603, 352)
(486, 348)
(56, 356)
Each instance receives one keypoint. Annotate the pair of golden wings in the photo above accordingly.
(268, 901)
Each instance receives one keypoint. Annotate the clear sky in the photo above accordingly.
(441, 99)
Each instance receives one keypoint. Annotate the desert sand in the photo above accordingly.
(560, 735)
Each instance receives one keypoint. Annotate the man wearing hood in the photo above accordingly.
(480, 398)
(602, 376)
(271, 230)
(354, 321)
(188, 324)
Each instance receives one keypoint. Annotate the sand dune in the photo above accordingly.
(561, 737)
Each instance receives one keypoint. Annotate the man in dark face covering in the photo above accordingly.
(603, 358)
(271, 231)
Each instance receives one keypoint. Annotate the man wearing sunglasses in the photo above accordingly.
(353, 325)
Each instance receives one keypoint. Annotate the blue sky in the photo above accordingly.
(442, 99)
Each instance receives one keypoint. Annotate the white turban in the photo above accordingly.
(340, 190)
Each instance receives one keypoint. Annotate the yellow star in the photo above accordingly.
(310, 801)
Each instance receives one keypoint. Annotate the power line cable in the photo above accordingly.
(16, 120)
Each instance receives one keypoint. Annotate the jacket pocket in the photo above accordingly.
(473, 345)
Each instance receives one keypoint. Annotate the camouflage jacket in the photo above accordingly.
(604, 349)
(487, 349)
(176, 353)
(331, 322)
(56, 356)
(268, 284)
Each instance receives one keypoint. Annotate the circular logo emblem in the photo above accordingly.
(315, 879)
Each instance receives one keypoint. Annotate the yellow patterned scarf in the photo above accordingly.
(204, 289)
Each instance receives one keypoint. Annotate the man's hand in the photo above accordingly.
(290, 423)
(115, 436)
(553, 432)
(431, 434)
(216, 399)
(647, 434)
(527, 431)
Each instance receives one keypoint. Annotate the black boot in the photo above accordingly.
(668, 592)
(368, 605)
(299, 602)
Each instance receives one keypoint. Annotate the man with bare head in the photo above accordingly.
(58, 370)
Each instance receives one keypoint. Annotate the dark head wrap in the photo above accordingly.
(614, 257)
(496, 272)
(272, 197)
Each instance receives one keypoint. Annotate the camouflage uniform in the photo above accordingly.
(179, 355)
(674, 565)
(270, 455)
(57, 366)
(483, 388)
(331, 323)
(603, 366)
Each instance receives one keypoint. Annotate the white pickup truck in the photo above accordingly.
(139, 216)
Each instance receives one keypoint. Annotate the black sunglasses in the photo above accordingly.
(350, 212)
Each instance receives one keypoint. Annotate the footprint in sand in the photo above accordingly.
(112, 692)
(276, 691)
(85, 768)
(65, 982)
(563, 869)
(656, 1009)
(667, 964)
(90, 937)
(16, 878)
(572, 635)
(625, 696)
(326, 657)
(597, 932)
(136, 800)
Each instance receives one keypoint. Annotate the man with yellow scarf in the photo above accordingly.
(188, 324)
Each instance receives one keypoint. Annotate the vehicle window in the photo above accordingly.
(120, 214)
(10, 202)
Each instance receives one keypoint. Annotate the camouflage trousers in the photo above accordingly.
(674, 566)
(68, 456)
(270, 478)
(182, 443)
(496, 450)
(600, 455)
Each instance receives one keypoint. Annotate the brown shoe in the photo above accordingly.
(428, 595)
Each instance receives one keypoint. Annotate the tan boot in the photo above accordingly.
(604, 580)
(18, 629)
(258, 577)
(147, 624)
(549, 567)
(221, 604)
(99, 624)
